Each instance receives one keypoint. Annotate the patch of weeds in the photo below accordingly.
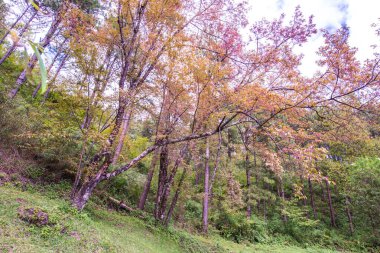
(3, 175)
(3, 223)
(46, 232)
(14, 177)
(191, 244)
(59, 190)
(34, 172)
(108, 246)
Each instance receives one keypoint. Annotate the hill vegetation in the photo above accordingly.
(153, 126)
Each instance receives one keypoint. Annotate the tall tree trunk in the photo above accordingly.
(176, 196)
(206, 190)
(304, 199)
(79, 173)
(83, 194)
(14, 24)
(21, 33)
(60, 66)
(33, 60)
(332, 214)
(265, 209)
(170, 180)
(248, 176)
(124, 130)
(217, 160)
(162, 177)
(323, 193)
(281, 193)
(312, 203)
(349, 215)
(148, 181)
(198, 173)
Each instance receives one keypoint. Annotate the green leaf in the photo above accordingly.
(43, 71)
(34, 5)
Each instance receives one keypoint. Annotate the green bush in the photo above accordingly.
(236, 227)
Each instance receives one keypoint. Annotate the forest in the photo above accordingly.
(183, 126)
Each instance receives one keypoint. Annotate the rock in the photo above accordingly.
(34, 216)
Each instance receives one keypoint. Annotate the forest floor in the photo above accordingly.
(98, 229)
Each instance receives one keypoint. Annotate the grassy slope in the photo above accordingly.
(100, 230)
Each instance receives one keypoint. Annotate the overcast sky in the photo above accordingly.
(328, 14)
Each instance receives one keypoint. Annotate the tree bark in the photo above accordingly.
(349, 215)
(281, 192)
(312, 203)
(148, 181)
(206, 190)
(81, 197)
(170, 180)
(248, 176)
(176, 196)
(331, 209)
(304, 199)
(217, 160)
(124, 130)
(162, 177)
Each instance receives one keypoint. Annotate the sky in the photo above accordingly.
(358, 15)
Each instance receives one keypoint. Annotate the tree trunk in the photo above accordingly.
(349, 215)
(198, 173)
(170, 180)
(148, 181)
(265, 210)
(206, 190)
(248, 175)
(162, 177)
(14, 45)
(14, 24)
(217, 160)
(124, 130)
(304, 199)
(33, 60)
(79, 173)
(281, 192)
(332, 214)
(176, 196)
(312, 203)
(81, 197)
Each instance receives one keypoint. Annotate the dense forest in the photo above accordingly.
(187, 117)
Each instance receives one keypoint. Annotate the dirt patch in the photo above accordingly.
(75, 235)
(21, 201)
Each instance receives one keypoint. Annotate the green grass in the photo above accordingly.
(97, 229)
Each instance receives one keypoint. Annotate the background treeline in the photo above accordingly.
(163, 106)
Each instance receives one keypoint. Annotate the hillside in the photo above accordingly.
(100, 230)
(187, 126)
